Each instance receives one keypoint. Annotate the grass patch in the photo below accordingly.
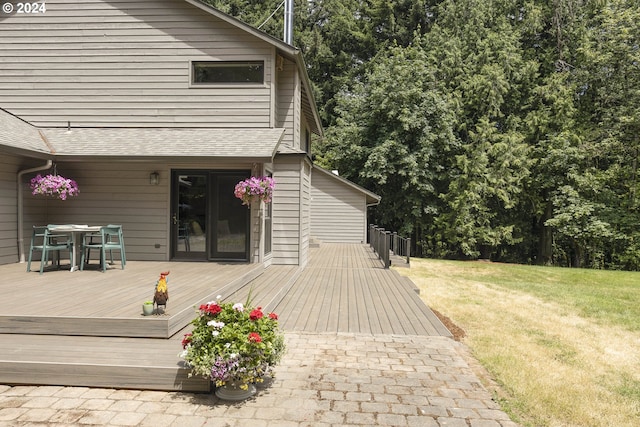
(611, 297)
(563, 344)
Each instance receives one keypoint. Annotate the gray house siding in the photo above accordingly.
(10, 165)
(8, 208)
(305, 212)
(298, 122)
(338, 212)
(127, 63)
(286, 210)
(110, 193)
(285, 96)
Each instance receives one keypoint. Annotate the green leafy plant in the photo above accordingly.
(233, 343)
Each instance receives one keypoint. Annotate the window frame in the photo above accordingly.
(194, 84)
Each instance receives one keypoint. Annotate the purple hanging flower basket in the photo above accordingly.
(254, 189)
(54, 186)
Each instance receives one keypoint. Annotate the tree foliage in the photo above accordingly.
(491, 128)
(394, 134)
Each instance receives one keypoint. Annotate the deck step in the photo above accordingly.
(314, 242)
(136, 363)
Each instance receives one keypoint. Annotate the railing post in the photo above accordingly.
(394, 243)
(408, 250)
(387, 238)
(373, 238)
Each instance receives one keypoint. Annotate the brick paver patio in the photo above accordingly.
(323, 380)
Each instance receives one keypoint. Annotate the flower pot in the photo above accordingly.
(232, 392)
(147, 309)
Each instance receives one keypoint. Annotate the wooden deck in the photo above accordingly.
(86, 328)
(345, 289)
(90, 302)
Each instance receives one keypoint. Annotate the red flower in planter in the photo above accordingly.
(256, 314)
(210, 308)
(254, 337)
(273, 316)
(186, 340)
(234, 343)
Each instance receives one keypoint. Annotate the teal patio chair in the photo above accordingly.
(45, 241)
(109, 239)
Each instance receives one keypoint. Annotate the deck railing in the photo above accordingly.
(385, 243)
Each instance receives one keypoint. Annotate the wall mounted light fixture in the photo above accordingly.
(154, 178)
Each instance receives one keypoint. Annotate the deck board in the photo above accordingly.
(345, 289)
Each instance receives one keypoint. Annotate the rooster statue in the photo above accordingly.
(161, 295)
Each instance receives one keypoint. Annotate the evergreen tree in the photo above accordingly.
(394, 134)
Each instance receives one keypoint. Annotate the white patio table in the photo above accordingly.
(75, 231)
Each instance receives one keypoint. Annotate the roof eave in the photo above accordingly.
(25, 152)
(186, 159)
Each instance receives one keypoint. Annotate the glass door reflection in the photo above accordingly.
(189, 219)
(231, 234)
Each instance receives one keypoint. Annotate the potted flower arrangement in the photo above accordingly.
(234, 345)
(254, 189)
(54, 186)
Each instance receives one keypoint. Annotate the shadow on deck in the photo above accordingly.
(86, 328)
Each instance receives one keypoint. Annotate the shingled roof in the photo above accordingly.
(19, 135)
(259, 144)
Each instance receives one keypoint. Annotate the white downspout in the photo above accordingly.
(20, 202)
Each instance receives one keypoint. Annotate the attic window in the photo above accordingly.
(227, 72)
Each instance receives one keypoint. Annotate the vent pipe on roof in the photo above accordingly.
(288, 22)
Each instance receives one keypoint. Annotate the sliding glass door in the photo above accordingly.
(207, 221)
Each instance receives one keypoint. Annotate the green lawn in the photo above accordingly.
(563, 345)
(610, 297)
